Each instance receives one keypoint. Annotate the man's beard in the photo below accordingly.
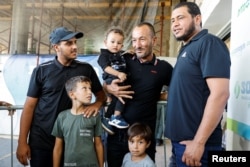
(187, 34)
(146, 54)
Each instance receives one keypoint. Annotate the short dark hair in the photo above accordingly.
(70, 85)
(140, 129)
(149, 25)
(193, 8)
(115, 30)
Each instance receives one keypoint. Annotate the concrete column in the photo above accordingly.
(20, 28)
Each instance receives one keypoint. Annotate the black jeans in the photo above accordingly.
(43, 158)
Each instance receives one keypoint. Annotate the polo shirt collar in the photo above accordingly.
(200, 34)
(153, 61)
(59, 65)
(197, 36)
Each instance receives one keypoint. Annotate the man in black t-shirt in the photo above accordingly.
(47, 97)
(147, 75)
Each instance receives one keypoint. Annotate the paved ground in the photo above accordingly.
(5, 153)
(163, 153)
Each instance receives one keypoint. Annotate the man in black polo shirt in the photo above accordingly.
(199, 89)
(47, 97)
(147, 75)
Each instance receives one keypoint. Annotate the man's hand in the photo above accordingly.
(163, 96)
(8, 105)
(23, 153)
(119, 91)
(3, 103)
(91, 110)
(94, 108)
(193, 153)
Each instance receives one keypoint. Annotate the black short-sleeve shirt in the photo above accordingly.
(47, 84)
(147, 80)
(204, 56)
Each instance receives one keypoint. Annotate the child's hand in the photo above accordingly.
(122, 76)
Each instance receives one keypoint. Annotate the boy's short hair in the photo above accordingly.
(115, 30)
(70, 85)
(140, 129)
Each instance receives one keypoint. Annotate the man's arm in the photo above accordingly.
(219, 94)
(23, 149)
(119, 91)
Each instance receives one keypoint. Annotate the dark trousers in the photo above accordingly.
(42, 158)
(178, 150)
(115, 105)
(117, 147)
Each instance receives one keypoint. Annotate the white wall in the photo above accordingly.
(238, 121)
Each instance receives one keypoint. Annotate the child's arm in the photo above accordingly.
(122, 76)
(57, 152)
(99, 150)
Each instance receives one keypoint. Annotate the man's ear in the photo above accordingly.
(154, 41)
(198, 20)
(56, 47)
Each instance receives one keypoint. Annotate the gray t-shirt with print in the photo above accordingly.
(78, 133)
(146, 162)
